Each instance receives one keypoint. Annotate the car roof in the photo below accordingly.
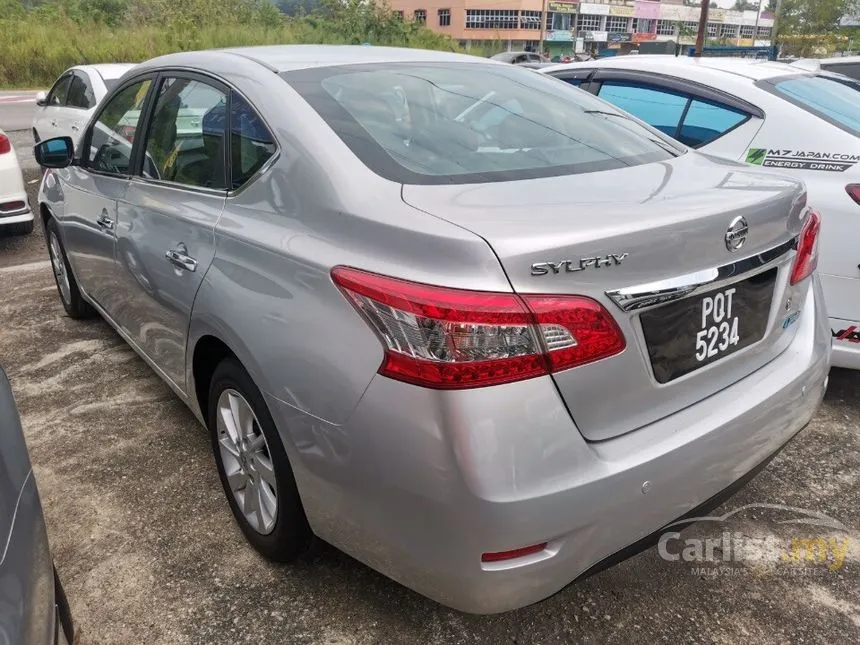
(690, 67)
(283, 58)
(107, 71)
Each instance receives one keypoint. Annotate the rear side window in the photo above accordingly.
(660, 109)
(57, 95)
(112, 135)
(464, 123)
(835, 101)
(251, 143)
(80, 94)
(705, 122)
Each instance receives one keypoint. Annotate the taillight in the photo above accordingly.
(853, 191)
(451, 338)
(807, 248)
(5, 144)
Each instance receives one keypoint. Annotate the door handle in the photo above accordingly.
(105, 222)
(179, 257)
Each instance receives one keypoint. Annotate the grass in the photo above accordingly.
(34, 52)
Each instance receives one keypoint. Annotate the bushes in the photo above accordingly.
(38, 44)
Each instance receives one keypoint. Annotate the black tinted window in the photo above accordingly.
(113, 133)
(251, 144)
(80, 94)
(185, 143)
(57, 96)
(426, 123)
(706, 122)
(849, 69)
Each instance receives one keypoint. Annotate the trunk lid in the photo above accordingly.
(616, 235)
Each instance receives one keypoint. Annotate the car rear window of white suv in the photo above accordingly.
(837, 101)
(441, 123)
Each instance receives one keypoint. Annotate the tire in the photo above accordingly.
(67, 286)
(283, 535)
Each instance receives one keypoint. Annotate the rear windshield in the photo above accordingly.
(467, 123)
(835, 100)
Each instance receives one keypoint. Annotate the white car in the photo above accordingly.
(848, 65)
(15, 215)
(66, 109)
(773, 115)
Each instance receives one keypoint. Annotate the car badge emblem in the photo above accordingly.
(736, 235)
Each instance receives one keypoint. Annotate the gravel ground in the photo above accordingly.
(148, 551)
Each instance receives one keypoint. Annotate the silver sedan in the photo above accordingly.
(465, 322)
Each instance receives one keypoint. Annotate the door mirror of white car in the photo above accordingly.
(42, 99)
(55, 153)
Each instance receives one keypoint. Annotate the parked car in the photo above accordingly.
(407, 335)
(772, 115)
(847, 65)
(68, 106)
(518, 58)
(15, 215)
(33, 606)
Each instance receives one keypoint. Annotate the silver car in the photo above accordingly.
(471, 325)
(33, 605)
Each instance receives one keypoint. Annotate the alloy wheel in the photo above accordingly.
(59, 265)
(247, 462)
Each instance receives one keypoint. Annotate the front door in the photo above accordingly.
(92, 192)
(166, 227)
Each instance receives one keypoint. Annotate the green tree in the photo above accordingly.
(813, 16)
(745, 5)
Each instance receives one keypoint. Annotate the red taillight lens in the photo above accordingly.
(807, 248)
(451, 338)
(5, 144)
(853, 191)
(501, 556)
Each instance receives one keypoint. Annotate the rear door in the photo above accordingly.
(165, 232)
(813, 132)
(79, 105)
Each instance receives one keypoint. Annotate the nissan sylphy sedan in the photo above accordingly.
(474, 327)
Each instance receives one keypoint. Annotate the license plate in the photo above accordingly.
(702, 329)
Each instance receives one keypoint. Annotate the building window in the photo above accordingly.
(491, 19)
(665, 28)
(444, 17)
(690, 26)
(712, 29)
(558, 21)
(420, 16)
(588, 22)
(764, 32)
(748, 31)
(616, 24)
(644, 26)
(728, 31)
(398, 14)
(529, 19)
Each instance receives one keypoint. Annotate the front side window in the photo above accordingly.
(80, 94)
(57, 95)
(706, 122)
(658, 108)
(112, 134)
(836, 101)
(469, 123)
(185, 141)
(251, 143)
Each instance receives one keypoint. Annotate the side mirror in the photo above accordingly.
(55, 153)
(42, 99)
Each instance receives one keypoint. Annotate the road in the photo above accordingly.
(148, 550)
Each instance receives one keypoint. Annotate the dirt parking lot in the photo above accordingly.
(148, 551)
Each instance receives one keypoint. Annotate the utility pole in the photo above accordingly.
(703, 28)
(543, 16)
(775, 29)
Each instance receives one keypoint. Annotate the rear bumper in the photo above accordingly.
(419, 483)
